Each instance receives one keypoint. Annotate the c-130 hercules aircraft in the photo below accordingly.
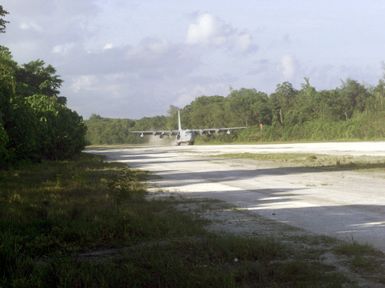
(186, 135)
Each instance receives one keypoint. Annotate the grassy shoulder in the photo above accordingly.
(327, 162)
(87, 223)
(112, 146)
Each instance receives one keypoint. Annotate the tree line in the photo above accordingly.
(350, 111)
(35, 123)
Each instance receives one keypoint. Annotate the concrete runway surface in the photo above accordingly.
(344, 204)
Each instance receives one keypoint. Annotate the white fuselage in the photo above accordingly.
(185, 136)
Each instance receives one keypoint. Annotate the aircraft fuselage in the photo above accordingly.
(185, 136)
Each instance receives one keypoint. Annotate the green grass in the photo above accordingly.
(113, 146)
(361, 258)
(330, 162)
(87, 223)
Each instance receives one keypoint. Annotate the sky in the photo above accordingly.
(135, 58)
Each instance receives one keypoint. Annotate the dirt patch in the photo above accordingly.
(224, 218)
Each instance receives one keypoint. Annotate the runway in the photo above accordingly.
(348, 205)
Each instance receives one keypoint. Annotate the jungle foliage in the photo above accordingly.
(350, 111)
(35, 123)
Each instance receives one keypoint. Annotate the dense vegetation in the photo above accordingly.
(351, 111)
(35, 123)
(115, 131)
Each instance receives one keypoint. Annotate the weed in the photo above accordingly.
(326, 162)
(355, 249)
(362, 258)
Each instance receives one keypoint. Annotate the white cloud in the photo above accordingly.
(158, 46)
(30, 25)
(244, 41)
(288, 67)
(63, 49)
(84, 82)
(188, 94)
(209, 30)
(204, 30)
(153, 46)
(109, 85)
(108, 46)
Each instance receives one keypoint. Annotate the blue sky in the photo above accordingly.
(130, 59)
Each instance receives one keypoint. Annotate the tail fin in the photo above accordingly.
(179, 124)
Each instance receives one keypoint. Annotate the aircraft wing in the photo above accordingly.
(209, 131)
(155, 132)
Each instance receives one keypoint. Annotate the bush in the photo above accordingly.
(3, 147)
(22, 129)
(61, 130)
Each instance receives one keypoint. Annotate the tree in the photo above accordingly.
(7, 91)
(353, 96)
(262, 108)
(205, 112)
(23, 129)
(2, 21)
(3, 147)
(7, 82)
(37, 78)
(329, 105)
(248, 107)
(281, 101)
(306, 105)
(377, 102)
(61, 132)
